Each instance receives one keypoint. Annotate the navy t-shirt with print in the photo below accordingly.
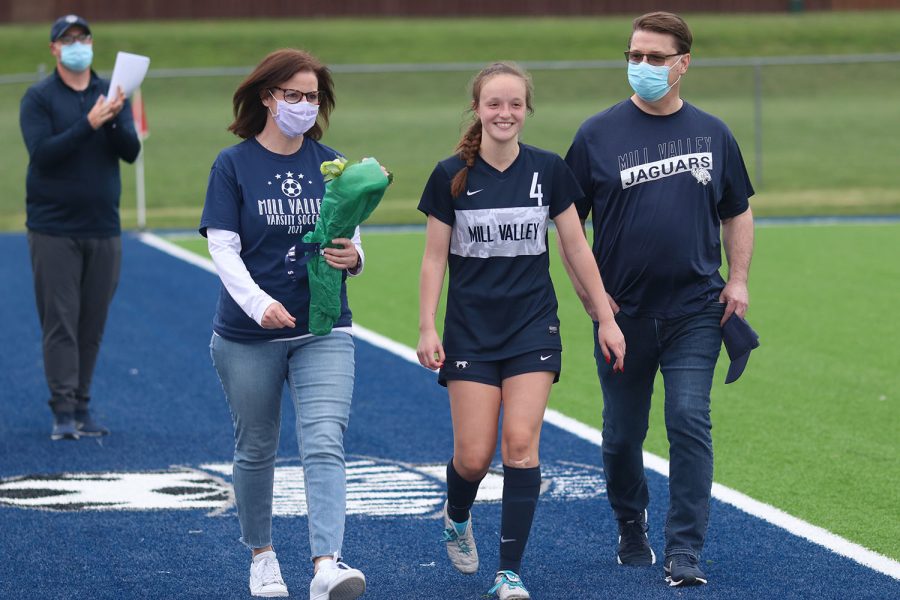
(271, 200)
(658, 188)
(500, 300)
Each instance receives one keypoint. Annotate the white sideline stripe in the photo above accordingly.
(376, 339)
(168, 247)
(766, 512)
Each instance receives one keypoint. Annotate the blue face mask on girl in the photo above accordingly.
(76, 56)
(648, 82)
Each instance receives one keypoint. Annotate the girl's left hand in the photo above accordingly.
(344, 257)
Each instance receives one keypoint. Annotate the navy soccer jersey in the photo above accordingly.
(271, 201)
(500, 300)
(658, 188)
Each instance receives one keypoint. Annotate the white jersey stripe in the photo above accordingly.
(489, 232)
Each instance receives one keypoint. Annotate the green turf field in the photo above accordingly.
(811, 426)
(830, 134)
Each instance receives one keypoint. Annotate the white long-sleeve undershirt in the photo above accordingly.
(225, 250)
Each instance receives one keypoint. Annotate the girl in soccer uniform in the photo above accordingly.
(263, 195)
(489, 207)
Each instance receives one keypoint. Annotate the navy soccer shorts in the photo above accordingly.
(493, 372)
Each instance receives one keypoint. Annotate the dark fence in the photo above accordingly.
(25, 11)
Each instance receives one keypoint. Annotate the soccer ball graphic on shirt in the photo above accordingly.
(291, 188)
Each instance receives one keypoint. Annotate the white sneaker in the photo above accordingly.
(265, 576)
(335, 580)
(460, 546)
(509, 586)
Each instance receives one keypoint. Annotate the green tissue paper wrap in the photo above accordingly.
(350, 197)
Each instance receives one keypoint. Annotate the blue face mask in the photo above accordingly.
(76, 56)
(648, 82)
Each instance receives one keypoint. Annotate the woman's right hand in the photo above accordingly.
(277, 317)
(430, 350)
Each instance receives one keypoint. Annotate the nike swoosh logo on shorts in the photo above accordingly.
(545, 357)
(468, 193)
(504, 540)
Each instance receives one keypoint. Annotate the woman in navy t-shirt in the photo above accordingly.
(489, 207)
(263, 195)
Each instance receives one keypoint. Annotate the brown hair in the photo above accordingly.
(467, 148)
(668, 23)
(275, 69)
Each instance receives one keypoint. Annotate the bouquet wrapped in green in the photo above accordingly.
(352, 191)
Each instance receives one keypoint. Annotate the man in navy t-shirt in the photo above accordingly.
(661, 178)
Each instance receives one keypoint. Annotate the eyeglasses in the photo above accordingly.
(295, 96)
(657, 60)
(71, 38)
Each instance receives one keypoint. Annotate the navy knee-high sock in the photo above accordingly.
(521, 488)
(460, 494)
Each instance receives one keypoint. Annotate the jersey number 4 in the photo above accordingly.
(536, 190)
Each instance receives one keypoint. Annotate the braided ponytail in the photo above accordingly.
(467, 150)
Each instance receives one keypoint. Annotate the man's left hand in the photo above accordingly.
(736, 299)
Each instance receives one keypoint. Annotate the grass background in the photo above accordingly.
(831, 134)
(811, 426)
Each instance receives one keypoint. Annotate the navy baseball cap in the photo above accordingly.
(739, 340)
(62, 24)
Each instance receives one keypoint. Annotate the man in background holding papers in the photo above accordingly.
(75, 137)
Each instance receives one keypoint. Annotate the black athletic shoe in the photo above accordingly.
(87, 425)
(682, 570)
(64, 427)
(634, 546)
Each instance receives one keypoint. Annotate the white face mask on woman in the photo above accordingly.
(294, 119)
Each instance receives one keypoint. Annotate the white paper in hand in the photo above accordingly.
(128, 73)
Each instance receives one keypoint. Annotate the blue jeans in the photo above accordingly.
(685, 350)
(319, 372)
